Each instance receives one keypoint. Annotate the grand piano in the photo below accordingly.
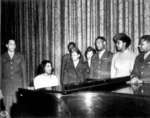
(90, 99)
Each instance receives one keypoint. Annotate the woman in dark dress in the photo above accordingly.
(75, 71)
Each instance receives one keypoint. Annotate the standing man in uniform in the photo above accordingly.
(101, 61)
(141, 70)
(13, 74)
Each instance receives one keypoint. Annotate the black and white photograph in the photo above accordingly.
(75, 59)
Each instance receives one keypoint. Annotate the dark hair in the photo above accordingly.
(42, 66)
(99, 37)
(71, 43)
(89, 49)
(145, 38)
(9, 40)
(123, 37)
(75, 49)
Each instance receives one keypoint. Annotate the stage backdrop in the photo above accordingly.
(43, 28)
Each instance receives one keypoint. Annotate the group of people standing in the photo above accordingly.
(102, 64)
(99, 63)
(96, 65)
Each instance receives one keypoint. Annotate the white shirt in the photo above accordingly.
(122, 64)
(11, 54)
(89, 62)
(75, 63)
(101, 53)
(44, 81)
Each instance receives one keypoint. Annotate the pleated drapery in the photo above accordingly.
(43, 28)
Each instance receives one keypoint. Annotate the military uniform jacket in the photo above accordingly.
(13, 73)
(100, 67)
(75, 75)
(141, 67)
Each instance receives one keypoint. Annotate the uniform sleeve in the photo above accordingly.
(113, 70)
(23, 68)
(86, 71)
(135, 71)
(65, 80)
(62, 70)
(132, 62)
(2, 68)
(91, 69)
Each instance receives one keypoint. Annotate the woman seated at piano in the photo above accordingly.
(123, 60)
(76, 70)
(46, 79)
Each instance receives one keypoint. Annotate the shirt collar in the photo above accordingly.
(101, 53)
(146, 54)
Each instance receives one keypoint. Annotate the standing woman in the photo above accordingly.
(46, 79)
(89, 54)
(66, 58)
(13, 73)
(76, 70)
(123, 60)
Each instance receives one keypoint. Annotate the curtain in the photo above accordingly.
(0, 44)
(43, 28)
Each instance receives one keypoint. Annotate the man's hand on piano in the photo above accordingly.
(136, 80)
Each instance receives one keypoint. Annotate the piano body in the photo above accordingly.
(91, 99)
